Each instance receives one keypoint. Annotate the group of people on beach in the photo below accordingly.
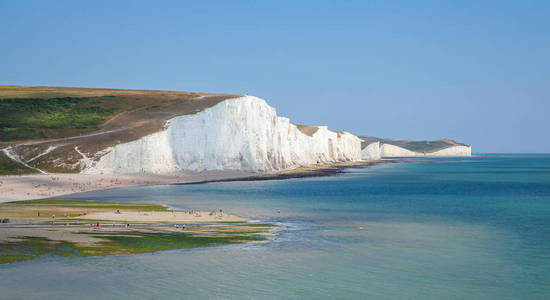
(214, 212)
(182, 226)
(97, 225)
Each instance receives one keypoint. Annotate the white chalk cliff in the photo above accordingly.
(458, 150)
(236, 134)
(371, 151)
(388, 150)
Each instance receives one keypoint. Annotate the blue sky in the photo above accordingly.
(475, 71)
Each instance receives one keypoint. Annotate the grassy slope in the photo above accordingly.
(39, 113)
(10, 167)
(35, 118)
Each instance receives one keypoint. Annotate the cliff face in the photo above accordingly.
(453, 151)
(388, 150)
(236, 134)
(371, 151)
(375, 148)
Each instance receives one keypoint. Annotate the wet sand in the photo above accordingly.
(164, 216)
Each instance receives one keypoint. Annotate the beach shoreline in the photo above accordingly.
(303, 172)
(41, 186)
(33, 228)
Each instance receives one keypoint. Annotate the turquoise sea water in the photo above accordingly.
(475, 228)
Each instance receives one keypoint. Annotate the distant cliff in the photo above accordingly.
(373, 148)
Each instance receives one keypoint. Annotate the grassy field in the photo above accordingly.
(34, 118)
(44, 112)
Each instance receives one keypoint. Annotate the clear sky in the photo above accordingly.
(475, 71)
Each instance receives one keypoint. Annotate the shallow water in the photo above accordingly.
(475, 228)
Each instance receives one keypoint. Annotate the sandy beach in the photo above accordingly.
(32, 228)
(40, 186)
(157, 216)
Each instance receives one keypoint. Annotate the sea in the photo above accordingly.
(439, 228)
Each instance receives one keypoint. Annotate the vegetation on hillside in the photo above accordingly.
(34, 118)
(53, 112)
(11, 167)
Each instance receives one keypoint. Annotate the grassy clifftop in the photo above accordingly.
(48, 112)
(44, 126)
(36, 118)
